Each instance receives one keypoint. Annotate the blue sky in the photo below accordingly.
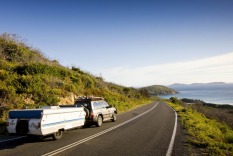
(122, 39)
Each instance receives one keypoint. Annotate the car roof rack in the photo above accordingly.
(89, 98)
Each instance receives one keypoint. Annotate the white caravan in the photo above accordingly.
(49, 120)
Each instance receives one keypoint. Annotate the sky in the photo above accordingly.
(130, 42)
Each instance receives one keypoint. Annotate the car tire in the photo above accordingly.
(99, 121)
(57, 135)
(114, 118)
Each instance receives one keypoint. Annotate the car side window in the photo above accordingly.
(105, 104)
(96, 105)
(101, 104)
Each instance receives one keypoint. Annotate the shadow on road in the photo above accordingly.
(21, 141)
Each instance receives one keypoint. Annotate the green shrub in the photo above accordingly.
(229, 137)
(175, 100)
(3, 114)
(39, 68)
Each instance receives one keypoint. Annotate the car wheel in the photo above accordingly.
(114, 118)
(99, 121)
(57, 135)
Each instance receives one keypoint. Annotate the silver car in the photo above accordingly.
(97, 110)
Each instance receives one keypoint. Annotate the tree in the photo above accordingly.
(126, 90)
(144, 92)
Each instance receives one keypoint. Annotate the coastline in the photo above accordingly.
(208, 97)
(195, 101)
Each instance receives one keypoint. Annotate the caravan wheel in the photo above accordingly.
(57, 135)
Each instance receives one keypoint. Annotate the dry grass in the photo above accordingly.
(223, 115)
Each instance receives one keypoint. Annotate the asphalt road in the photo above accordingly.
(146, 130)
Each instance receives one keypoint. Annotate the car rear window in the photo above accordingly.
(82, 104)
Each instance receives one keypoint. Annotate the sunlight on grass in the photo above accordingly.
(210, 135)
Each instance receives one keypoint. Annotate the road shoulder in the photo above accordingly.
(181, 146)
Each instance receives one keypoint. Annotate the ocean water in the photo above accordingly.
(211, 95)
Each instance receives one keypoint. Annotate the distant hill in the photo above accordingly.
(197, 84)
(193, 86)
(160, 90)
(29, 79)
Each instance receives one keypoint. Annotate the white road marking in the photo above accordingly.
(169, 151)
(13, 139)
(62, 149)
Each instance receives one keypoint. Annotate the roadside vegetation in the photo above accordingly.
(207, 134)
(221, 113)
(30, 80)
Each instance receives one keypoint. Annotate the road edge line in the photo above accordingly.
(170, 148)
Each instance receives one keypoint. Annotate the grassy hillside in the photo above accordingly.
(28, 79)
(206, 135)
(160, 90)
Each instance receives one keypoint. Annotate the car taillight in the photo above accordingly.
(92, 115)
